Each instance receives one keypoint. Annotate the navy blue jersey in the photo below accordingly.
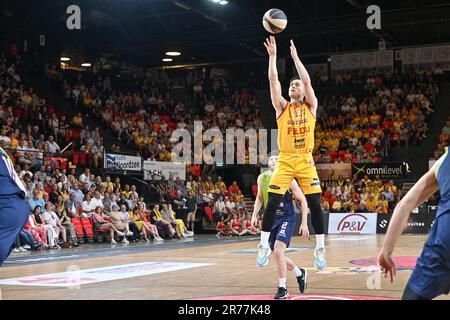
(9, 180)
(286, 209)
(443, 180)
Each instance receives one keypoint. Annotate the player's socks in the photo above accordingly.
(297, 271)
(320, 241)
(282, 282)
(264, 239)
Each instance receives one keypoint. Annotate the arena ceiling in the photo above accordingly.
(142, 30)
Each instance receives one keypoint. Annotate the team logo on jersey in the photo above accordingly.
(298, 131)
(297, 122)
(274, 187)
(315, 184)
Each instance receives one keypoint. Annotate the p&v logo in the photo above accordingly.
(352, 223)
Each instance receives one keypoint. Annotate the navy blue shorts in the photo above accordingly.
(282, 230)
(13, 216)
(431, 276)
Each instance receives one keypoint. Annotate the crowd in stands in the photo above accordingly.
(67, 209)
(145, 115)
(30, 125)
(392, 111)
(444, 140)
(360, 195)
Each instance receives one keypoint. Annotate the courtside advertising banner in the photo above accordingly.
(352, 223)
(386, 170)
(160, 168)
(122, 162)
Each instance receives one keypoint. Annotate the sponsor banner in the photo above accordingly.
(383, 222)
(410, 56)
(122, 162)
(337, 62)
(386, 170)
(369, 60)
(352, 61)
(327, 170)
(420, 221)
(426, 55)
(160, 168)
(352, 223)
(442, 54)
(417, 223)
(77, 277)
(385, 58)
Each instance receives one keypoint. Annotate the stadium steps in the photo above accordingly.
(50, 90)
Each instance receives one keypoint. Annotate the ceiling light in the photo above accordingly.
(173, 53)
(223, 2)
(86, 64)
(216, 1)
(65, 59)
(167, 59)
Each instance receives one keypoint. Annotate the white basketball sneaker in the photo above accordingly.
(320, 261)
(262, 259)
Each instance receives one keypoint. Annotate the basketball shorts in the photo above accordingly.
(282, 230)
(295, 166)
(431, 276)
(13, 216)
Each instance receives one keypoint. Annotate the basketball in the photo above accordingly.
(274, 21)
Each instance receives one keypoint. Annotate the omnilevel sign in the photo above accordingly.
(387, 170)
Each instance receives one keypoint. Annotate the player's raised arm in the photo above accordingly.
(298, 193)
(258, 202)
(421, 191)
(278, 101)
(310, 96)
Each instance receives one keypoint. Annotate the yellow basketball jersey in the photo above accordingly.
(296, 126)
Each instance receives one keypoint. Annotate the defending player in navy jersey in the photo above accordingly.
(431, 276)
(13, 208)
(283, 228)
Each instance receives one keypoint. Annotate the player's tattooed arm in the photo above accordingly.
(278, 102)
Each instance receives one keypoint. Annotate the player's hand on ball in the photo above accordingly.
(271, 46)
(304, 231)
(293, 50)
(387, 265)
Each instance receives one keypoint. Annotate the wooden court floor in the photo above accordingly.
(231, 271)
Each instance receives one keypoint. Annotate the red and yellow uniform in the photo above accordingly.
(296, 126)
